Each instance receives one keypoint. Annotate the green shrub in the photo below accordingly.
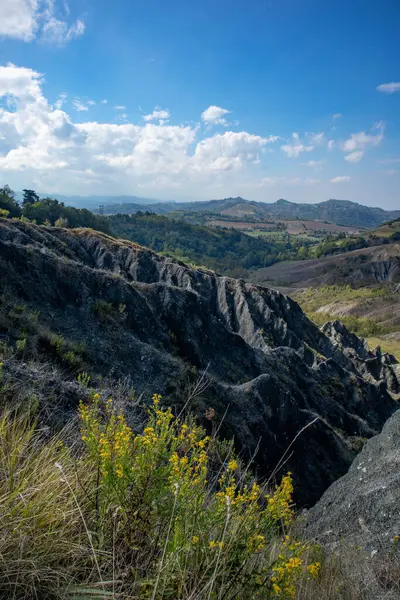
(106, 311)
(150, 515)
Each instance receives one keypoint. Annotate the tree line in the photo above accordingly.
(48, 211)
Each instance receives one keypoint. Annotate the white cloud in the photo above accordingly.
(60, 101)
(228, 150)
(27, 19)
(58, 32)
(120, 107)
(33, 135)
(337, 116)
(157, 115)
(389, 88)
(340, 179)
(50, 147)
(316, 138)
(297, 147)
(214, 115)
(18, 19)
(82, 105)
(42, 146)
(331, 144)
(104, 102)
(354, 157)
(362, 140)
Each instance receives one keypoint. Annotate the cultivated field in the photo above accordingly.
(294, 227)
(242, 225)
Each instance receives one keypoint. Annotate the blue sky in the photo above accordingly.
(179, 100)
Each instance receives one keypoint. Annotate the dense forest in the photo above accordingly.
(227, 251)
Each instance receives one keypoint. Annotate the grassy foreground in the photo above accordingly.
(168, 513)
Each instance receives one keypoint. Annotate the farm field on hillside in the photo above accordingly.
(294, 227)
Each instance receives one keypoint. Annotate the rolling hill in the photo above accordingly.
(340, 212)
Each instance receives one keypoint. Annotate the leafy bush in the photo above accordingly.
(150, 515)
(8, 205)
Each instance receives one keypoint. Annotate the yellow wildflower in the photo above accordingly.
(232, 465)
(213, 544)
(313, 569)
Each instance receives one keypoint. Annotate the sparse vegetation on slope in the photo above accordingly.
(372, 313)
(317, 302)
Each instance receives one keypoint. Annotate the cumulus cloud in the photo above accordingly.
(33, 135)
(331, 144)
(18, 19)
(215, 115)
(229, 150)
(157, 115)
(337, 116)
(28, 19)
(362, 140)
(40, 143)
(297, 147)
(354, 157)
(340, 179)
(389, 88)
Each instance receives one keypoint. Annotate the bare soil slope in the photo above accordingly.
(128, 312)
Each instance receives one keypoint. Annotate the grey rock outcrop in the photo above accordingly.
(374, 365)
(362, 508)
(270, 371)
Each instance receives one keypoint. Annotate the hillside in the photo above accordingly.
(360, 287)
(82, 301)
(340, 212)
(366, 266)
(223, 250)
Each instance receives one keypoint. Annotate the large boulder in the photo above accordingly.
(362, 508)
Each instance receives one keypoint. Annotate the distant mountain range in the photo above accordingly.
(341, 212)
